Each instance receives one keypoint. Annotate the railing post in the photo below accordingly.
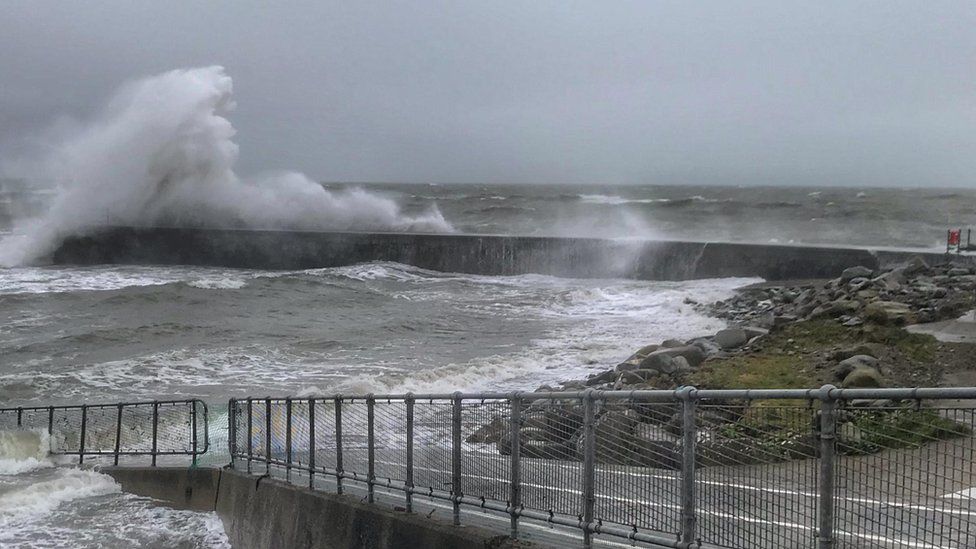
(456, 492)
(193, 433)
(50, 423)
(825, 498)
(250, 433)
(409, 476)
(515, 486)
(370, 447)
(338, 437)
(288, 439)
(231, 429)
(267, 435)
(118, 434)
(589, 465)
(155, 431)
(689, 433)
(20, 417)
(311, 443)
(81, 439)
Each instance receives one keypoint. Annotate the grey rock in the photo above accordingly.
(731, 338)
(848, 365)
(892, 280)
(958, 271)
(848, 352)
(855, 272)
(915, 265)
(889, 312)
(658, 362)
(863, 377)
(614, 433)
(670, 343)
(858, 284)
(630, 364)
(635, 377)
(707, 346)
(491, 432)
(681, 365)
(753, 331)
(604, 377)
(692, 353)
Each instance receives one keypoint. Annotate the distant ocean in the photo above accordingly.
(885, 217)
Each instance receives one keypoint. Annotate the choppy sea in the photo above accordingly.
(108, 333)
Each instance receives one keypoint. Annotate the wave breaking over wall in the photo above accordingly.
(161, 152)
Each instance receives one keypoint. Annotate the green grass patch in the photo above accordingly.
(908, 427)
(759, 371)
(916, 347)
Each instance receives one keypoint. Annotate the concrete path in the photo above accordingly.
(960, 330)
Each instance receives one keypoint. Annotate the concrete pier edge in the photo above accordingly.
(263, 512)
(473, 254)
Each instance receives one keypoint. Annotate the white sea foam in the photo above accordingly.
(162, 152)
(22, 451)
(595, 327)
(615, 200)
(33, 501)
(33, 280)
(74, 508)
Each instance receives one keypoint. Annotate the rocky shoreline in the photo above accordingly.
(848, 331)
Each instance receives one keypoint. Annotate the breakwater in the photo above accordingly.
(467, 253)
(260, 512)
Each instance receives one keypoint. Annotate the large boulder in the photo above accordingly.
(849, 364)
(837, 307)
(654, 447)
(681, 365)
(754, 331)
(862, 349)
(490, 432)
(637, 377)
(863, 377)
(608, 376)
(889, 312)
(614, 432)
(731, 338)
(855, 272)
(707, 346)
(660, 360)
(915, 266)
(657, 362)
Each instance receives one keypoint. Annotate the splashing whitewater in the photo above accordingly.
(161, 152)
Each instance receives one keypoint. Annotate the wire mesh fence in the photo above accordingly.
(775, 468)
(171, 429)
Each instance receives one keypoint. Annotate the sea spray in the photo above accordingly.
(161, 152)
(23, 450)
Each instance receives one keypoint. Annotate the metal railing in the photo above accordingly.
(152, 428)
(826, 468)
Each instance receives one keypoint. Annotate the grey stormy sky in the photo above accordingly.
(611, 91)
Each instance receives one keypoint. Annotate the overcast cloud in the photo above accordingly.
(716, 92)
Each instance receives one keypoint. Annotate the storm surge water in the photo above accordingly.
(161, 152)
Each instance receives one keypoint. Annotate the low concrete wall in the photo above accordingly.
(475, 254)
(260, 513)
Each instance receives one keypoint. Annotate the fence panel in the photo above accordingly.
(778, 469)
(159, 428)
(905, 475)
(757, 473)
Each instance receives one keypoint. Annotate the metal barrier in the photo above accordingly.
(156, 428)
(826, 468)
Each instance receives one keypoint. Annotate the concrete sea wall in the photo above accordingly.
(474, 254)
(262, 513)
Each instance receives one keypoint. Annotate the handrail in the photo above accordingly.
(196, 411)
